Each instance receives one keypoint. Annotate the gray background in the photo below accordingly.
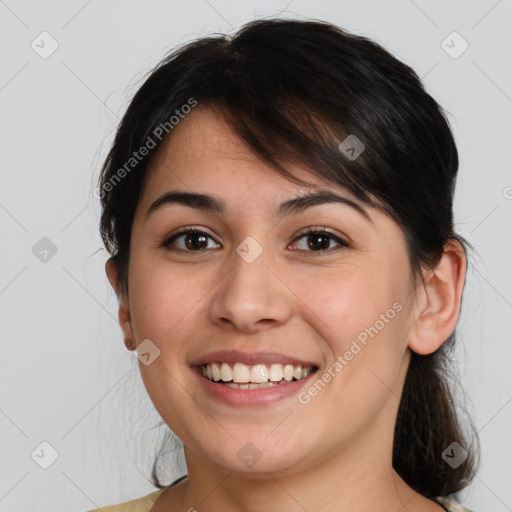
(66, 378)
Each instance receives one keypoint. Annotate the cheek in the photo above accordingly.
(359, 318)
(343, 305)
(162, 297)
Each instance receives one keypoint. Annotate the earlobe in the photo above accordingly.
(124, 314)
(438, 307)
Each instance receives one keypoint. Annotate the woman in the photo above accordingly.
(278, 207)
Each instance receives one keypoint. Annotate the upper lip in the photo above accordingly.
(250, 358)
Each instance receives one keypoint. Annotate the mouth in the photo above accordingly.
(252, 379)
(255, 376)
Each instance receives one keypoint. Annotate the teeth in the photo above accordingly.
(215, 371)
(288, 372)
(251, 385)
(225, 372)
(275, 372)
(241, 373)
(259, 373)
(243, 376)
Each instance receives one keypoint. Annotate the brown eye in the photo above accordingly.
(319, 241)
(191, 240)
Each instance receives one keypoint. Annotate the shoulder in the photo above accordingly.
(143, 504)
(451, 504)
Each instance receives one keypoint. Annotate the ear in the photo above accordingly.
(438, 302)
(124, 307)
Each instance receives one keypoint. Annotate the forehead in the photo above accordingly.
(203, 148)
(204, 131)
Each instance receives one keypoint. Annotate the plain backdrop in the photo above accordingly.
(71, 397)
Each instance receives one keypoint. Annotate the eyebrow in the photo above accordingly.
(214, 204)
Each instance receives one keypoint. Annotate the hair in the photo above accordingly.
(293, 91)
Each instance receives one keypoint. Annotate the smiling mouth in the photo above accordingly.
(242, 376)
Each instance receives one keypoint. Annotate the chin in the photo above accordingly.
(256, 455)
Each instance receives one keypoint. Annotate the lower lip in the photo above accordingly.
(251, 397)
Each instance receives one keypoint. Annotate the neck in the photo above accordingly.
(351, 480)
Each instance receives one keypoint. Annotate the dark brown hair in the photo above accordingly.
(293, 91)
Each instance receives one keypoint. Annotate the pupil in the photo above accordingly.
(192, 239)
(318, 240)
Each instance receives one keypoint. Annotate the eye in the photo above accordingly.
(189, 240)
(319, 240)
(196, 240)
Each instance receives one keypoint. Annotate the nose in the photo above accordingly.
(251, 297)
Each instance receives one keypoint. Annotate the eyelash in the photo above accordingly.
(309, 231)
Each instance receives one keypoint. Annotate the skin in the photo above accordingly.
(333, 453)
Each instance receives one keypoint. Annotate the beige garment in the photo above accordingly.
(144, 504)
(138, 505)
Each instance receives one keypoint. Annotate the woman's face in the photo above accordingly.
(254, 287)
